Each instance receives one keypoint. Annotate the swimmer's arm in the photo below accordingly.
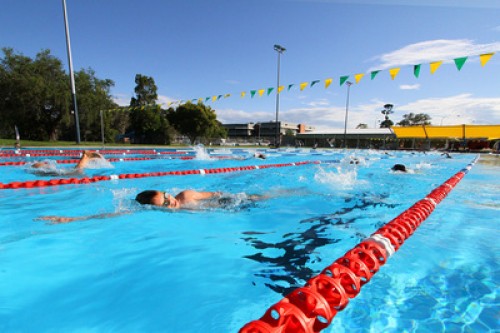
(62, 219)
(207, 195)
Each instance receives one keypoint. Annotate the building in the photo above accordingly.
(380, 138)
(265, 132)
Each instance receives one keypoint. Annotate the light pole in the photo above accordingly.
(71, 74)
(348, 83)
(277, 142)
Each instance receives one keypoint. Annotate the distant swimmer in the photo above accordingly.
(49, 168)
(447, 155)
(259, 155)
(399, 167)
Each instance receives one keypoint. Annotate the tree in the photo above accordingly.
(93, 96)
(196, 121)
(412, 119)
(147, 120)
(386, 112)
(35, 96)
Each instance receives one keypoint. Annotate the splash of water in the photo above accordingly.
(337, 177)
(201, 153)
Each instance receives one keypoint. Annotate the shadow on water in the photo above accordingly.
(290, 270)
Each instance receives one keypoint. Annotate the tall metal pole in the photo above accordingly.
(71, 74)
(346, 112)
(277, 142)
(102, 127)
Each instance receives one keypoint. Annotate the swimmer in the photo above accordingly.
(399, 167)
(447, 155)
(187, 200)
(259, 155)
(46, 168)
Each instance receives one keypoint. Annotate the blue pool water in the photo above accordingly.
(214, 271)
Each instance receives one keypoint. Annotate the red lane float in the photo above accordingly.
(311, 308)
(86, 180)
(75, 153)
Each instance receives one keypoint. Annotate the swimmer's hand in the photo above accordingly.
(62, 219)
(58, 219)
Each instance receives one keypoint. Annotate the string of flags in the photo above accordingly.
(393, 72)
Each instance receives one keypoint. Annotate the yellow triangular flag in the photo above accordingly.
(261, 91)
(394, 72)
(227, 95)
(214, 98)
(484, 58)
(200, 100)
(280, 88)
(243, 93)
(328, 82)
(435, 65)
(358, 77)
(303, 85)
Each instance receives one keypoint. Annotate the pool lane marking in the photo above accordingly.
(94, 179)
(311, 308)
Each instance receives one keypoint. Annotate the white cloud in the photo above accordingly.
(122, 99)
(432, 50)
(409, 87)
(458, 109)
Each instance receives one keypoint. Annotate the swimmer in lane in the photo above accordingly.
(190, 199)
(46, 168)
(187, 200)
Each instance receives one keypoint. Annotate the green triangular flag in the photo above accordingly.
(459, 62)
(416, 70)
(252, 93)
(374, 73)
(269, 90)
(206, 99)
(314, 82)
(290, 86)
(218, 97)
(343, 79)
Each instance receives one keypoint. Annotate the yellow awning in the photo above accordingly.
(488, 132)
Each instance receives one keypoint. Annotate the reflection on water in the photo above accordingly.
(286, 272)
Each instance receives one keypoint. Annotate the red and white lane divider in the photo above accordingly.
(311, 308)
(87, 180)
(76, 153)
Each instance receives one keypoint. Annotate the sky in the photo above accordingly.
(203, 48)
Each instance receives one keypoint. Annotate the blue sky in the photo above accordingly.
(202, 48)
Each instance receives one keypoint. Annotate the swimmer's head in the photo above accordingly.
(157, 198)
(399, 167)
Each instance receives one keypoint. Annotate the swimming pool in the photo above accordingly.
(216, 270)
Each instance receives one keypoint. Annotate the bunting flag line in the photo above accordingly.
(358, 77)
(484, 58)
(393, 72)
(416, 70)
(434, 66)
(343, 79)
(459, 62)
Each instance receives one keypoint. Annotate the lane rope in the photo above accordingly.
(312, 307)
(94, 179)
